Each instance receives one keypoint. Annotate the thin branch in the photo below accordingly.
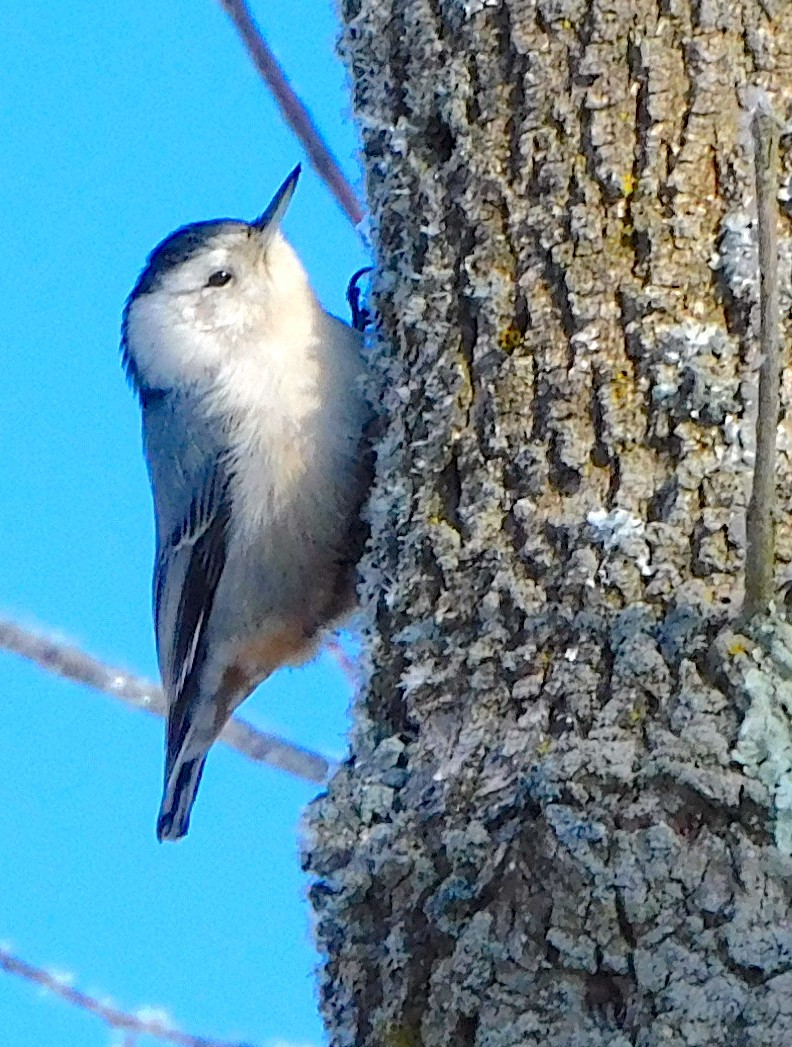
(145, 1023)
(346, 664)
(70, 662)
(294, 112)
(760, 551)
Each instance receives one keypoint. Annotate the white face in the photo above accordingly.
(227, 301)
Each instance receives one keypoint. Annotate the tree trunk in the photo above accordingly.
(568, 814)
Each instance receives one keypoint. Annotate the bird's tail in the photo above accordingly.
(178, 797)
(193, 726)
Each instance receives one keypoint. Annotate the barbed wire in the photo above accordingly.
(294, 111)
(64, 659)
(147, 1021)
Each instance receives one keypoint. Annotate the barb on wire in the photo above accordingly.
(293, 110)
(146, 1022)
(70, 662)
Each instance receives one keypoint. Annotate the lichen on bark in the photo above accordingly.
(543, 835)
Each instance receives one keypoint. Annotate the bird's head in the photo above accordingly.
(212, 289)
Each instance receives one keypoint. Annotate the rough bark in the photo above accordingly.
(566, 819)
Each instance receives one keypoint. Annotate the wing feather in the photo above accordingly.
(189, 478)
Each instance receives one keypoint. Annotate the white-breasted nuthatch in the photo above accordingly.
(253, 430)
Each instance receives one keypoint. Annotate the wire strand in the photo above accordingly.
(294, 111)
(147, 1022)
(64, 659)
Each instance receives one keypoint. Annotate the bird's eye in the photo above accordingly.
(219, 279)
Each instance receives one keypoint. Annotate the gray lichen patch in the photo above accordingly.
(764, 747)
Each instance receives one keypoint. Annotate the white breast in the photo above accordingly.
(297, 412)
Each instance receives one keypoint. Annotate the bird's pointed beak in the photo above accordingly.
(270, 220)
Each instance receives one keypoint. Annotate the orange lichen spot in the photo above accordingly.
(401, 1036)
(737, 646)
(622, 385)
(510, 339)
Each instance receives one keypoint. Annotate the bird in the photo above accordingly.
(254, 425)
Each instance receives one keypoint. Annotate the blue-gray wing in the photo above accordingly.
(188, 467)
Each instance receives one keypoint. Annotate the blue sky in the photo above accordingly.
(120, 122)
